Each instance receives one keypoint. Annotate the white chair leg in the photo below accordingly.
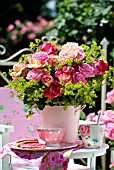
(4, 139)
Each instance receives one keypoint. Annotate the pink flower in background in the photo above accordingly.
(95, 118)
(109, 132)
(90, 117)
(31, 36)
(110, 115)
(42, 20)
(34, 74)
(106, 116)
(10, 27)
(29, 23)
(110, 97)
(17, 22)
(99, 67)
(111, 165)
(23, 29)
(84, 130)
(15, 32)
(14, 38)
(86, 70)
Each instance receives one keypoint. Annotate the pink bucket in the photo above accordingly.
(56, 116)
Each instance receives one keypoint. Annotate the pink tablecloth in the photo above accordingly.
(42, 159)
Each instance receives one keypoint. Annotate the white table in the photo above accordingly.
(90, 154)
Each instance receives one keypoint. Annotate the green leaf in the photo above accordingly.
(2, 107)
(106, 10)
(112, 53)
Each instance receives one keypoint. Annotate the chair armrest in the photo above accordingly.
(6, 128)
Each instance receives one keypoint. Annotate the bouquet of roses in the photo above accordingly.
(57, 75)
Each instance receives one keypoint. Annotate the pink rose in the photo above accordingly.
(110, 115)
(34, 74)
(52, 60)
(49, 48)
(68, 69)
(19, 70)
(77, 77)
(18, 67)
(84, 130)
(47, 79)
(53, 90)
(90, 117)
(71, 50)
(110, 97)
(80, 54)
(65, 77)
(111, 165)
(106, 116)
(109, 131)
(86, 70)
(99, 67)
(41, 56)
(58, 72)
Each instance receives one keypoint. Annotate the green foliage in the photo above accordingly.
(76, 19)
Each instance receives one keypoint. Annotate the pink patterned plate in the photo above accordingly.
(63, 146)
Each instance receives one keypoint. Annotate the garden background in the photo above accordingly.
(81, 21)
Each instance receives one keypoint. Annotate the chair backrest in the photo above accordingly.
(12, 113)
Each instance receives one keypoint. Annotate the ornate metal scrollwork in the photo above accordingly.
(8, 61)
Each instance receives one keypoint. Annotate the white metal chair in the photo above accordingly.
(5, 131)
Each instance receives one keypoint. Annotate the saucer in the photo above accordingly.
(62, 146)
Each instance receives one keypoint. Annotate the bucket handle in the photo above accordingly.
(79, 108)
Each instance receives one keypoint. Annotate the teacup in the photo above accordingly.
(52, 136)
(92, 135)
